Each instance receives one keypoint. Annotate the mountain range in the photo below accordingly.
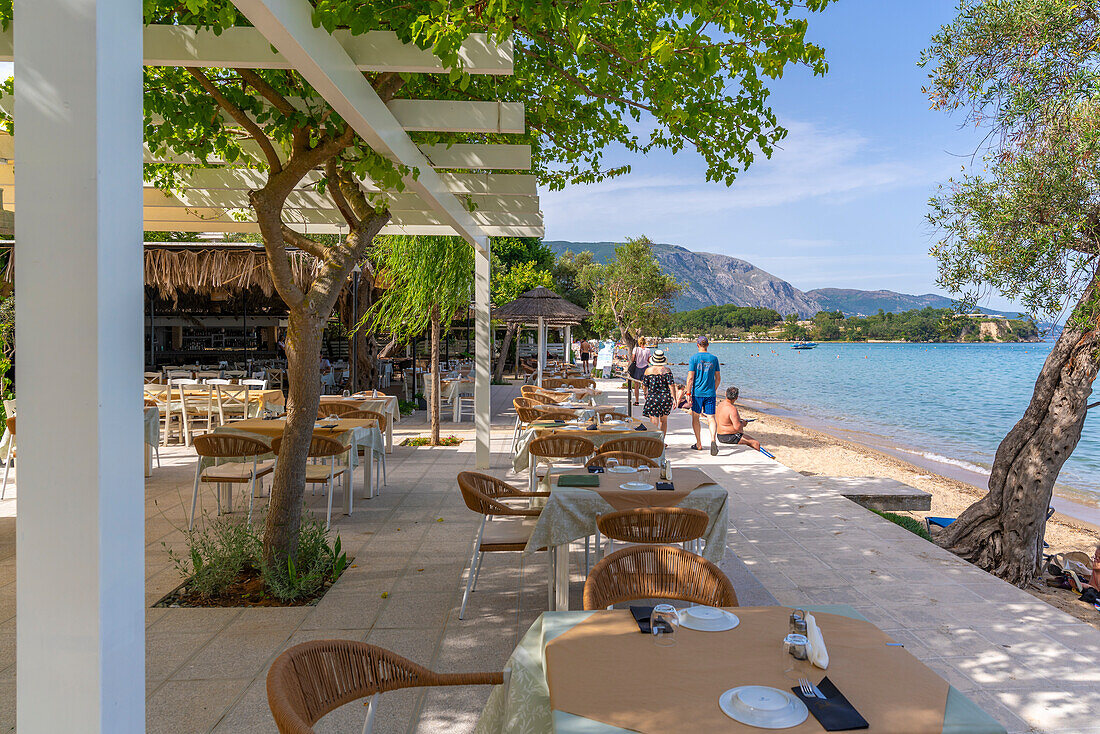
(710, 279)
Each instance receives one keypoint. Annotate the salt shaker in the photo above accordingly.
(797, 625)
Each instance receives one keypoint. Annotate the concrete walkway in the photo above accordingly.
(790, 542)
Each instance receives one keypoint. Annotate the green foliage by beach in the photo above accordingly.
(720, 321)
(631, 294)
(916, 527)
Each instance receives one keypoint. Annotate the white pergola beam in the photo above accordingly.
(80, 557)
(246, 48)
(328, 68)
(432, 230)
(329, 216)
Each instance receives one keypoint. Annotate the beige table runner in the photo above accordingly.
(685, 480)
(604, 669)
(276, 427)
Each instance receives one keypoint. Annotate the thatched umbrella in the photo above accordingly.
(543, 307)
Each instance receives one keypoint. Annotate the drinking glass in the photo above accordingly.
(664, 620)
(795, 650)
(612, 464)
(347, 394)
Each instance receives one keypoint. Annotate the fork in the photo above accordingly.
(809, 689)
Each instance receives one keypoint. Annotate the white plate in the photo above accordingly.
(636, 486)
(708, 619)
(622, 470)
(571, 428)
(613, 423)
(327, 424)
(763, 707)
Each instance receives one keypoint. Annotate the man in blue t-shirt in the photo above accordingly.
(702, 387)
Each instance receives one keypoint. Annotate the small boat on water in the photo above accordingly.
(804, 345)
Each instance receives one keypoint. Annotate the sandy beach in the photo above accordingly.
(813, 452)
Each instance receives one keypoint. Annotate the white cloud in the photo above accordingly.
(813, 163)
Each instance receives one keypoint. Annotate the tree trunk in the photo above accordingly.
(284, 512)
(434, 407)
(1003, 532)
(505, 347)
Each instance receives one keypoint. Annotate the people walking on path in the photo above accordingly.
(660, 390)
(703, 379)
(639, 361)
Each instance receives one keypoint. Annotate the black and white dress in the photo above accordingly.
(658, 394)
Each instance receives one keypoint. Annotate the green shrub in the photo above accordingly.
(911, 524)
(219, 551)
(406, 407)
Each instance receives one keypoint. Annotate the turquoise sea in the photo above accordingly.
(941, 405)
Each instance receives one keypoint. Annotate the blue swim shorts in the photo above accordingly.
(702, 405)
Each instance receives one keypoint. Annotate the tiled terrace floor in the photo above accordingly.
(1029, 665)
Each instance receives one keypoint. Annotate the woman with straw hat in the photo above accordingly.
(659, 389)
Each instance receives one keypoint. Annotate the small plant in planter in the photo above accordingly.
(427, 441)
(223, 567)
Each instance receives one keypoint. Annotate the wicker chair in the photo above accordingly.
(644, 445)
(528, 390)
(552, 382)
(229, 446)
(548, 449)
(665, 525)
(340, 410)
(523, 408)
(322, 447)
(539, 398)
(485, 495)
(380, 468)
(625, 458)
(581, 383)
(314, 678)
(556, 414)
(657, 572)
(610, 414)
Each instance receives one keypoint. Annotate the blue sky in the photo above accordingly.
(842, 204)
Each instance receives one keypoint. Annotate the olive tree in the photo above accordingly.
(1027, 225)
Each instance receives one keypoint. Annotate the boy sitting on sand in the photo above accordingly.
(730, 424)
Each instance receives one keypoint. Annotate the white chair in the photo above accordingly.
(152, 378)
(235, 374)
(232, 401)
(171, 376)
(207, 375)
(217, 381)
(322, 447)
(10, 457)
(214, 446)
(255, 383)
(182, 381)
(197, 406)
(168, 408)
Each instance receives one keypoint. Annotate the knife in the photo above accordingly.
(818, 693)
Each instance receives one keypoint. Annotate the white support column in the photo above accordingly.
(80, 534)
(568, 343)
(482, 352)
(541, 348)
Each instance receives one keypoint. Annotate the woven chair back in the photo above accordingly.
(610, 414)
(644, 445)
(657, 572)
(557, 446)
(340, 410)
(482, 494)
(626, 458)
(553, 397)
(528, 414)
(557, 414)
(526, 390)
(311, 679)
(523, 402)
(363, 415)
(654, 525)
(319, 447)
(539, 398)
(581, 382)
(552, 382)
(225, 445)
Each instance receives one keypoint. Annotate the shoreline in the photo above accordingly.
(949, 484)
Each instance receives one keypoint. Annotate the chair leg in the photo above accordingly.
(477, 571)
(7, 468)
(194, 497)
(587, 565)
(156, 450)
(251, 490)
(475, 561)
(328, 517)
(368, 725)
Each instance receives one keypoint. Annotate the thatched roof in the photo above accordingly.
(543, 303)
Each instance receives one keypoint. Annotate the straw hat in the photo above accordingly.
(658, 357)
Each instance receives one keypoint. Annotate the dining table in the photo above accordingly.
(378, 402)
(353, 433)
(570, 513)
(594, 672)
(271, 401)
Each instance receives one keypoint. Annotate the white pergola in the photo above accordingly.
(83, 208)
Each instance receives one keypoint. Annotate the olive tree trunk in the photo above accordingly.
(433, 408)
(505, 347)
(1003, 532)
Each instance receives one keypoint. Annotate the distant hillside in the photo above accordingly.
(716, 280)
(712, 280)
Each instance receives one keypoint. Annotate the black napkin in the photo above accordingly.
(641, 616)
(834, 713)
(665, 486)
(592, 428)
(594, 469)
(641, 427)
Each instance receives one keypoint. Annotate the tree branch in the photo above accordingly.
(303, 243)
(337, 196)
(273, 160)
